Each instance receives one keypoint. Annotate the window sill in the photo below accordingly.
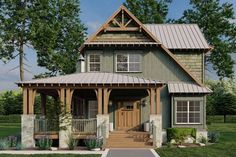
(128, 71)
(188, 123)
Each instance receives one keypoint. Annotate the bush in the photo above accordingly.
(44, 143)
(180, 133)
(4, 144)
(202, 139)
(213, 137)
(92, 143)
(14, 118)
(71, 143)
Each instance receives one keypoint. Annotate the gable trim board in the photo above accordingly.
(163, 47)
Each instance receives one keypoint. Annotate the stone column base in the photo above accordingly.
(102, 119)
(156, 120)
(27, 130)
(65, 130)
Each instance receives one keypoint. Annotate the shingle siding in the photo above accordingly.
(193, 62)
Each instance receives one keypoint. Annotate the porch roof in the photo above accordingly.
(183, 87)
(91, 78)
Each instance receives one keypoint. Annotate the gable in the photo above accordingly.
(124, 26)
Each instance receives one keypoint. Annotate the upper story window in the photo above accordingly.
(128, 63)
(187, 112)
(94, 62)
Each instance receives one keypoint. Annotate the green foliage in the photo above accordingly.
(215, 20)
(213, 137)
(4, 144)
(10, 118)
(11, 102)
(149, 11)
(180, 133)
(203, 139)
(44, 143)
(52, 28)
(223, 99)
(92, 143)
(71, 143)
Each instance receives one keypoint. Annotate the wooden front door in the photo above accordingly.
(128, 115)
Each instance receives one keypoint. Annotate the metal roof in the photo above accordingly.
(120, 43)
(179, 36)
(183, 87)
(93, 78)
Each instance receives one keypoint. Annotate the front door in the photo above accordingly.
(128, 115)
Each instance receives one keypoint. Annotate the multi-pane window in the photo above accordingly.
(94, 62)
(128, 62)
(188, 112)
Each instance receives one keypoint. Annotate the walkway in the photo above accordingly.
(131, 153)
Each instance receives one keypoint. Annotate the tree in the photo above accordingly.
(223, 99)
(52, 28)
(215, 21)
(149, 11)
(57, 35)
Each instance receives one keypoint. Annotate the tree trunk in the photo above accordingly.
(21, 61)
(224, 118)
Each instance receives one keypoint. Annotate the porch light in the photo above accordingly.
(110, 103)
(144, 102)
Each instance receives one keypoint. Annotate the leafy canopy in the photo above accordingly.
(215, 21)
(51, 27)
(149, 11)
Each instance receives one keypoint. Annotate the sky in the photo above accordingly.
(93, 14)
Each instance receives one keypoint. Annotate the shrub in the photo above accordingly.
(202, 139)
(4, 144)
(44, 143)
(15, 118)
(92, 143)
(12, 141)
(213, 137)
(71, 143)
(180, 133)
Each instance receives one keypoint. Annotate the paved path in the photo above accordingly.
(131, 153)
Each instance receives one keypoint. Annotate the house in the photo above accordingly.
(132, 79)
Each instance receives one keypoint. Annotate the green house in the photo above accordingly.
(133, 81)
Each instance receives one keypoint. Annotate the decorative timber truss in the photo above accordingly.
(123, 26)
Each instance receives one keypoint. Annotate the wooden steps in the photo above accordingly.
(122, 139)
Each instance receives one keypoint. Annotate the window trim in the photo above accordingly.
(100, 63)
(188, 112)
(128, 70)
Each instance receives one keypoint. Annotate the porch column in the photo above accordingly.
(27, 118)
(102, 116)
(43, 104)
(65, 117)
(156, 117)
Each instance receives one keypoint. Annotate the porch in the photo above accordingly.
(91, 105)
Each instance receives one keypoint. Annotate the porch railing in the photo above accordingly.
(84, 126)
(43, 125)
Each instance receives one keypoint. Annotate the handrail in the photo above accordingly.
(84, 126)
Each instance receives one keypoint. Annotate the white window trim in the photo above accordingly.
(187, 113)
(128, 71)
(94, 62)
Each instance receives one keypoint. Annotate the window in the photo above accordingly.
(94, 62)
(128, 62)
(92, 109)
(188, 112)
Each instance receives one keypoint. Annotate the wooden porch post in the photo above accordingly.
(152, 101)
(158, 101)
(69, 93)
(106, 95)
(61, 93)
(25, 101)
(31, 98)
(43, 104)
(99, 99)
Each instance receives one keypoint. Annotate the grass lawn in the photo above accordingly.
(226, 147)
(7, 129)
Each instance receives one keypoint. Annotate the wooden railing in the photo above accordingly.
(43, 125)
(84, 126)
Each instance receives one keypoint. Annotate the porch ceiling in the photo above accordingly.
(92, 79)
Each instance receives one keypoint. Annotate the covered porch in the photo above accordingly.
(91, 105)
